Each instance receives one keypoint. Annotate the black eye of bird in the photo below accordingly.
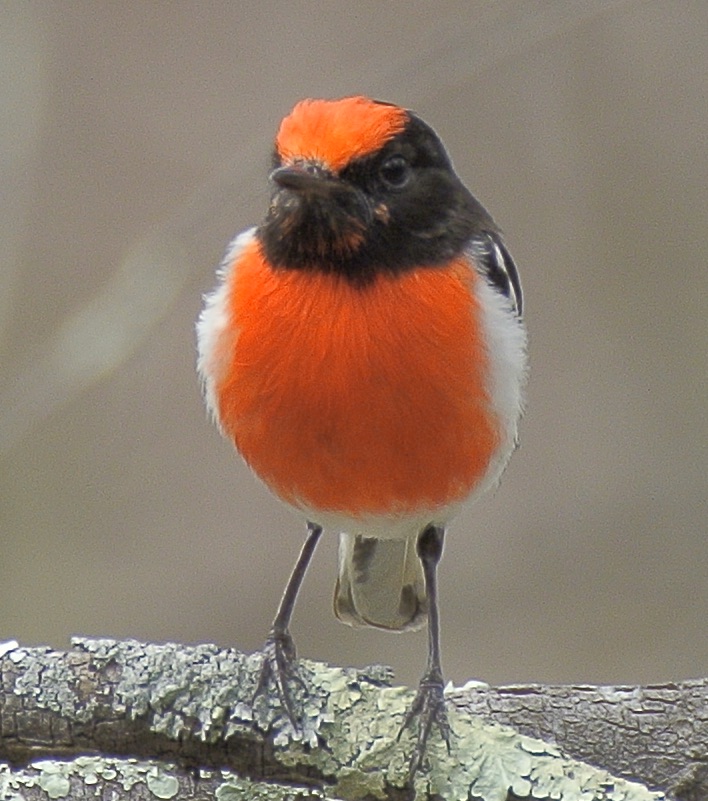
(395, 172)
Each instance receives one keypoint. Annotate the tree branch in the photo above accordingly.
(174, 721)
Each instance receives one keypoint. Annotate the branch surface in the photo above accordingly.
(183, 717)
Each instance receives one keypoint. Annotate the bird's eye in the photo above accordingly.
(395, 172)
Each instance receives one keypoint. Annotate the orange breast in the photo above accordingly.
(358, 400)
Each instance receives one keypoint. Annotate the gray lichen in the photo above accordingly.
(486, 761)
(62, 779)
(235, 788)
(349, 738)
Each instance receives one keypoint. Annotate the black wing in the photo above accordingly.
(495, 261)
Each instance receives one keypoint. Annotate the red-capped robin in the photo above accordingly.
(364, 351)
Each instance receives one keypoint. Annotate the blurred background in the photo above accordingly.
(135, 141)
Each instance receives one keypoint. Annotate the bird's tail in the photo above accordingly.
(380, 583)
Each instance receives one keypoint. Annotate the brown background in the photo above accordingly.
(135, 141)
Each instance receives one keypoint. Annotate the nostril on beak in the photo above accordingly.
(301, 176)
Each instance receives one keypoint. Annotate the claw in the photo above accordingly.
(279, 656)
(429, 708)
(278, 669)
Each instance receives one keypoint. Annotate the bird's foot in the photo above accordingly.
(279, 671)
(429, 709)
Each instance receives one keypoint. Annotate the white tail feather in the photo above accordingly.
(380, 583)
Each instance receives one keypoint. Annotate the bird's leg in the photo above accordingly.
(279, 650)
(429, 704)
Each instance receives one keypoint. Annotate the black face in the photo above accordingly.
(400, 208)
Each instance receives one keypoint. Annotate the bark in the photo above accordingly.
(127, 720)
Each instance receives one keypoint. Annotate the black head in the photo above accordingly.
(393, 209)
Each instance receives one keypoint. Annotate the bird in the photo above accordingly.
(365, 351)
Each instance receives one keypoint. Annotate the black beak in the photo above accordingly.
(314, 216)
(306, 177)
